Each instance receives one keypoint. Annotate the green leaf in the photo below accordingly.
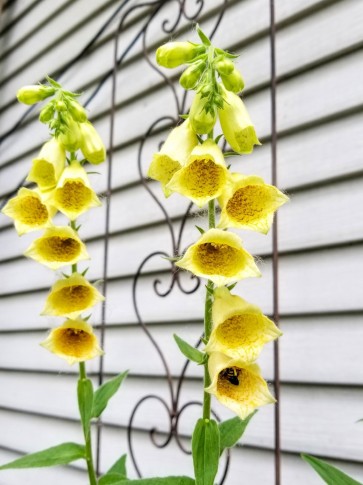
(189, 351)
(205, 449)
(330, 474)
(57, 455)
(119, 466)
(218, 138)
(200, 229)
(112, 479)
(159, 481)
(203, 37)
(104, 394)
(85, 403)
(231, 431)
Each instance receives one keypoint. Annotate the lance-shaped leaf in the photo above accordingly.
(56, 455)
(104, 394)
(330, 474)
(112, 479)
(85, 403)
(189, 351)
(205, 450)
(231, 431)
(119, 466)
(158, 481)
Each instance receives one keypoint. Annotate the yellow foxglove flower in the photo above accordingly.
(240, 330)
(29, 210)
(71, 296)
(74, 341)
(236, 385)
(202, 122)
(74, 194)
(236, 124)
(249, 203)
(204, 176)
(219, 257)
(91, 144)
(173, 54)
(71, 138)
(48, 166)
(57, 247)
(233, 81)
(173, 154)
(34, 93)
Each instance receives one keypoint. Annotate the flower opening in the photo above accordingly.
(48, 166)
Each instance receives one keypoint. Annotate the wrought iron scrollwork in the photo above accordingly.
(190, 11)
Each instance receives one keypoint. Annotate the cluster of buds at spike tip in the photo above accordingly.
(194, 166)
(61, 184)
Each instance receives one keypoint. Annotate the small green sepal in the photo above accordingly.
(200, 229)
(205, 40)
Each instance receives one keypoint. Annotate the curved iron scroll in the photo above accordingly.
(190, 11)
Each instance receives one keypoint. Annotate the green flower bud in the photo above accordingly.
(233, 82)
(71, 137)
(201, 121)
(224, 66)
(77, 111)
(60, 105)
(173, 54)
(47, 113)
(92, 146)
(34, 94)
(192, 74)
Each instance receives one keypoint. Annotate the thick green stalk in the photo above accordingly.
(87, 437)
(208, 319)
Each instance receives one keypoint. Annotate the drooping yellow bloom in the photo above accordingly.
(236, 124)
(219, 257)
(71, 296)
(249, 203)
(29, 210)
(173, 54)
(91, 144)
(204, 176)
(74, 341)
(201, 121)
(74, 194)
(34, 93)
(71, 137)
(173, 154)
(240, 330)
(48, 166)
(236, 385)
(59, 246)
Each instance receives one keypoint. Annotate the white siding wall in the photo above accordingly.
(320, 122)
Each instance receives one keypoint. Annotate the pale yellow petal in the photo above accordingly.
(48, 166)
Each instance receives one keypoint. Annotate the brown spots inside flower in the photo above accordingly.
(163, 168)
(240, 392)
(74, 196)
(239, 330)
(43, 174)
(71, 299)
(218, 259)
(73, 342)
(56, 248)
(251, 203)
(202, 178)
(31, 211)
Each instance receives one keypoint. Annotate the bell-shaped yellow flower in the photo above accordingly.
(204, 176)
(71, 136)
(236, 124)
(219, 257)
(249, 203)
(71, 296)
(201, 121)
(48, 166)
(29, 210)
(57, 247)
(173, 154)
(236, 385)
(240, 330)
(74, 341)
(74, 194)
(91, 144)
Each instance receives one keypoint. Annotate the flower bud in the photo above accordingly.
(71, 138)
(77, 111)
(233, 82)
(91, 144)
(46, 113)
(201, 121)
(224, 66)
(173, 54)
(34, 94)
(60, 105)
(192, 75)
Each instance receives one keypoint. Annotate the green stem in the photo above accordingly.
(208, 319)
(73, 225)
(87, 437)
